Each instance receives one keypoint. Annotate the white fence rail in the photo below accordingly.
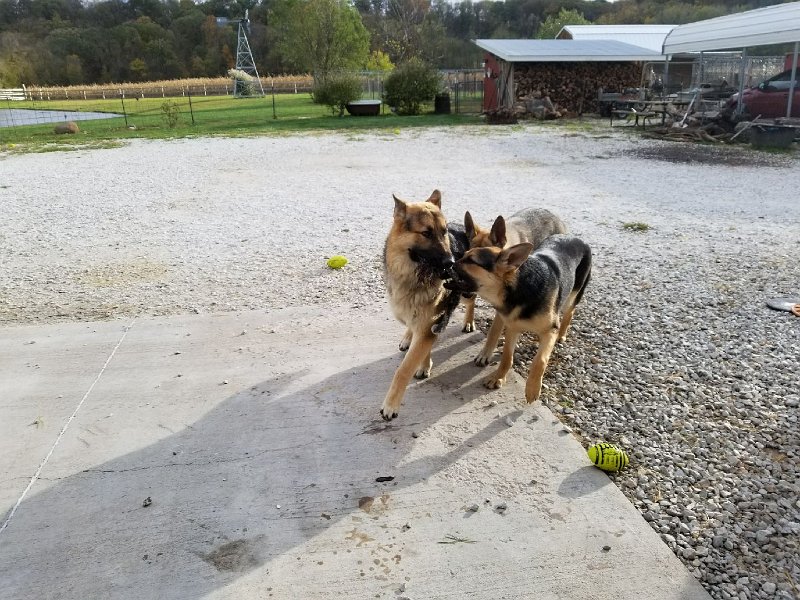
(13, 93)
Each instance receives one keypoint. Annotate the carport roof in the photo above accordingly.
(770, 25)
(644, 36)
(566, 51)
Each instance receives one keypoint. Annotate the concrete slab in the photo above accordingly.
(242, 456)
(45, 373)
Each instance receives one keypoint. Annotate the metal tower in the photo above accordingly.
(244, 56)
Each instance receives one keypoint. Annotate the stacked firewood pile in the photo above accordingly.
(552, 90)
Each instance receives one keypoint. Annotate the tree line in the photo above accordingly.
(68, 42)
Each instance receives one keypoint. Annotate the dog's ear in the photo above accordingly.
(469, 226)
(399, 208)
(498, 234)
(436, 198)
(515, 255)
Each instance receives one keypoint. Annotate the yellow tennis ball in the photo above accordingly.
(337, 262)
(397, 132)
(607, 457)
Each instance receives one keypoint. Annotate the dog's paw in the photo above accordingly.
(388, 415)
(494, 382)
(532, 392)
(468, 327)
(424, 371)
(389, 412)
(482, 359)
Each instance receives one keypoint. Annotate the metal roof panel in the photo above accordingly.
(566, 51)
(645, 36)
(776, 24)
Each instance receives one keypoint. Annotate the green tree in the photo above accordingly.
(549, 29)
(73, 70)
(379, 61)
(321, 35)
(138, 69)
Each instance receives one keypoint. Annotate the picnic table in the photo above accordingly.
(644, 111)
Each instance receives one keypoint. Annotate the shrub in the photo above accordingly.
(411, 85)
(171, 113)
(243, 83)
(636, 226)
(337, 89)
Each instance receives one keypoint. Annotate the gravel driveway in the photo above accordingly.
(673, 353)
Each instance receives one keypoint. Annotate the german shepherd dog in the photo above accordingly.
(531, 225)
(417, 257)
(531, 292)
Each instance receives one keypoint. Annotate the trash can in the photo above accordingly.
(772, 136)
(441, 104)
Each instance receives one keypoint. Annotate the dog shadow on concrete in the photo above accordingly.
(264, 471)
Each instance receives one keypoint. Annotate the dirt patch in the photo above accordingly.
(710, 155)
(115, 274)
(238, 555)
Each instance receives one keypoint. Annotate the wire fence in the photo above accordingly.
(158, 103)
(142, 112)
(715, 69)
(466, 89)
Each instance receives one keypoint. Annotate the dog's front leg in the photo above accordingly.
(498, 378)
(533, 386)
(469, 315)
(492, 338)
(421, 344)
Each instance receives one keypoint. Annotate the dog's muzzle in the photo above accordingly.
(447, 269)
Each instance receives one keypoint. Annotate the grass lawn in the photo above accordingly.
(198, 116)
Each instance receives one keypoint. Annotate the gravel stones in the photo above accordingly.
(672, 354)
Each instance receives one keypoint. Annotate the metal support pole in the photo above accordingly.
(702, 70)
(793, 80)
(665, 89)
(274, 114)
(739, 104)
(124, 112)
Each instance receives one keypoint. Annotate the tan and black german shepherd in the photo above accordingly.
(416, 258)
(532, 225)
(531, 292)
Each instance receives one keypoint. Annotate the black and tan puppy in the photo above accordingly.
(416, 259)
(532, 225)
(531, 292)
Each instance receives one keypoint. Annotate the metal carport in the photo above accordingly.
(779, 24)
